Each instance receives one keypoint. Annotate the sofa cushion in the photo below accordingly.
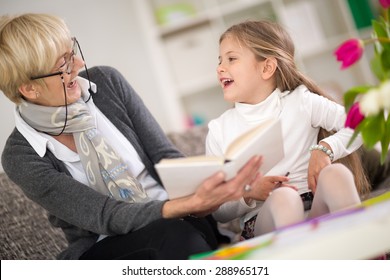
(190, 142)
(25, 232)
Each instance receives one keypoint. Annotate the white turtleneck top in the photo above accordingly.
(301, 113)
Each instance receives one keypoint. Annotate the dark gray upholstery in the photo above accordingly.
(25, 232)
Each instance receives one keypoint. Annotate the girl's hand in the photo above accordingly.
(318, 160)
(262, 186)
(213, 192)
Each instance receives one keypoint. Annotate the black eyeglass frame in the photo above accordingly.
(70, 62)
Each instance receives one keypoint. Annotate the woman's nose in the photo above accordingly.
(79, 62)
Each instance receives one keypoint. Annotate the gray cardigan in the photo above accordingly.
(82, 213)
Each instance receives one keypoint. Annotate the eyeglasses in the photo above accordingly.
(69, 62)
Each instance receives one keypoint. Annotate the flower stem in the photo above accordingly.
(373, 40)
(384, 40)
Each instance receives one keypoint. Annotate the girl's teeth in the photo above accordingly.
(227, 81)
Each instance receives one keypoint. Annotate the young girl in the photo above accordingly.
(258, 74)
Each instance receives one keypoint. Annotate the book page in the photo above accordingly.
(265, 140)
(183, 179)
(239, 143)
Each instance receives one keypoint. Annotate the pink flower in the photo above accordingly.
(349, 52)
(354, 116)
(385, 3)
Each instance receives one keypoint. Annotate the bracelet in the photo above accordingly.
(324, 149)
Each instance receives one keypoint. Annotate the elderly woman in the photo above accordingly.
(84, 148)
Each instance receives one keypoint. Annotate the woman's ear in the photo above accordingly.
(29, 91)
(269, 67)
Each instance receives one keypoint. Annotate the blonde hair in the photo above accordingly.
(268, 39)
(30, 45)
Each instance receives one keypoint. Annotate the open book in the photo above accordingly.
(182, 176)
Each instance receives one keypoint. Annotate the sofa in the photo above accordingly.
(25, 232)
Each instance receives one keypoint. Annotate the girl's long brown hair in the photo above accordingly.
(269, 39)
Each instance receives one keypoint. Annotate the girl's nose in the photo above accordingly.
(220, 69)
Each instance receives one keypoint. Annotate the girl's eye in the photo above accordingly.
(230, 59)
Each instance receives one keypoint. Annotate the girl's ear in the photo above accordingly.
(269, 68)
(29, 91)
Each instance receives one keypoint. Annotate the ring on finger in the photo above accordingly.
(247, 188)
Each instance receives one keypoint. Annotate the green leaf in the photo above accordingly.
(350, 95)
(381, 30)
(385, 146)
(386, 76)
(372, 130)
(376, 67)
(354, 135)
(378, 27)
(385, 59)
(385, 141)
(386, 118)
(387, 11)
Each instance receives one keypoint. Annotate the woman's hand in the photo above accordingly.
(318, 160)
(213, 192)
